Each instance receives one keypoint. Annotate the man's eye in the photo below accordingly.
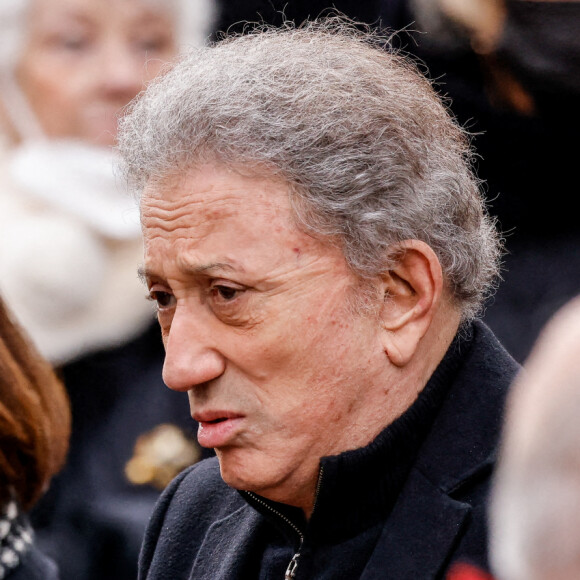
(163, 299)
(226, 292)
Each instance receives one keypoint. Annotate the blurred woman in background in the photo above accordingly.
(70, 245)
(67, 68)
(34, 434)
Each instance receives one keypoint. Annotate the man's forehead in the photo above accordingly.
(211, 214)
(214, 192)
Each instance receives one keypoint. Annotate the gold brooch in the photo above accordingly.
(160, 455)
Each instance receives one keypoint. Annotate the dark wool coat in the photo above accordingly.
(204, 530)
(34, 566)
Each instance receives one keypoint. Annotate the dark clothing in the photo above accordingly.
(232, 14)
(403, 507)
(20, 558)
(92, 520)
(34, 566)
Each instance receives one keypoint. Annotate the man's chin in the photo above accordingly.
(239, 471)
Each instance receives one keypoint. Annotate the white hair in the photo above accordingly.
(370, 153)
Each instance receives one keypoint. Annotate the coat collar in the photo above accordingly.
(459, 451)
(237, 529)
(414, 551)
(470, 420)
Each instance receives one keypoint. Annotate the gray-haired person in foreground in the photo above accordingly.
(318, 250)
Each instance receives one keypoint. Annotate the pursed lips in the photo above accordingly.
(216, 428)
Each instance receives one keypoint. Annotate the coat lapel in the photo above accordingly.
(417, 552)
(426, 523)
(214, 560)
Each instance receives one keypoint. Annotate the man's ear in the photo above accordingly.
(411, 294)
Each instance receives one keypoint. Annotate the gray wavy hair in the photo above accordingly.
(370, 153)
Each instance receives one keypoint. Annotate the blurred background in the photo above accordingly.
(70, 244)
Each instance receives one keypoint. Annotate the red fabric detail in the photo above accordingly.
(462, 571)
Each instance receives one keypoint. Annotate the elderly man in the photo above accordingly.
(317, 248)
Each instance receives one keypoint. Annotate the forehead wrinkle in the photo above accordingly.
(202, 269)
(210, 267)
(187, 212)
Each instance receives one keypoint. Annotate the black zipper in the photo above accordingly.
(293, 565)
(291, 570)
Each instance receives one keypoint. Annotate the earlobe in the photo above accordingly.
(411, 290)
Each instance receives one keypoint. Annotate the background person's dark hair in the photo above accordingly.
(34, 417)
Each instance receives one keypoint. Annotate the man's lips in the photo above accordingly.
(211, 416)
(216, 428)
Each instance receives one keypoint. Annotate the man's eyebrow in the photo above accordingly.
(203, 268)
(144, 273)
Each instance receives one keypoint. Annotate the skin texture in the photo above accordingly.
(259, 328)
(85, 60)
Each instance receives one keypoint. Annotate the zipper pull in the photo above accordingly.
(291, 570)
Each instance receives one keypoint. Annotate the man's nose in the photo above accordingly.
(190, 357)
